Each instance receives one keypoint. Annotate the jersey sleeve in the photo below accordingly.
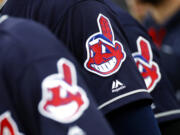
(45, 85)
(148, 61)
(63, 98)
(8, 116)
(91, 33)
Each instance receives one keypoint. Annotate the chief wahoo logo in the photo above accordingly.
(144, 60)
(7, 125)
(104, 54)
(63, 100)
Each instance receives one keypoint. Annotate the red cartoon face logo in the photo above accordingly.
(104, 54)
(147, 67)
(7, 125)
(62, 99)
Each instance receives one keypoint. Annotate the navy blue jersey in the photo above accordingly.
(166, 37)
(42, 83)
(90, 31)
(9, 123)
(147, 59)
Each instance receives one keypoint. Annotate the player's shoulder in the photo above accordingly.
(11, 24)
(25, 32)
(26, 41)
(8, 23)
(14, 27)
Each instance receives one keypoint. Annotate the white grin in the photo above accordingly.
(105, 67)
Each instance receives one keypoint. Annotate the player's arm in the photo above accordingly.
(92, 24)
(46, 86)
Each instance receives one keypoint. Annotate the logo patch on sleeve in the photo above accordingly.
(63, 100)
(144, 60)
(7, 125)
(104, 54)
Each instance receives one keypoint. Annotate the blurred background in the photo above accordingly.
(121, 3)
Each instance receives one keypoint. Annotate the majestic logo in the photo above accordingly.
(63, 100)
(8, 125)
(117, 86)
(75, 130)
(104, 54)
(153, 106)
(147, 67)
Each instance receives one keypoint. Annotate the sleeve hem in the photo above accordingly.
(124, 99)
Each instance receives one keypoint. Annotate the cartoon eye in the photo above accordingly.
(141, 68)
(92, 54)
(105, 49)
